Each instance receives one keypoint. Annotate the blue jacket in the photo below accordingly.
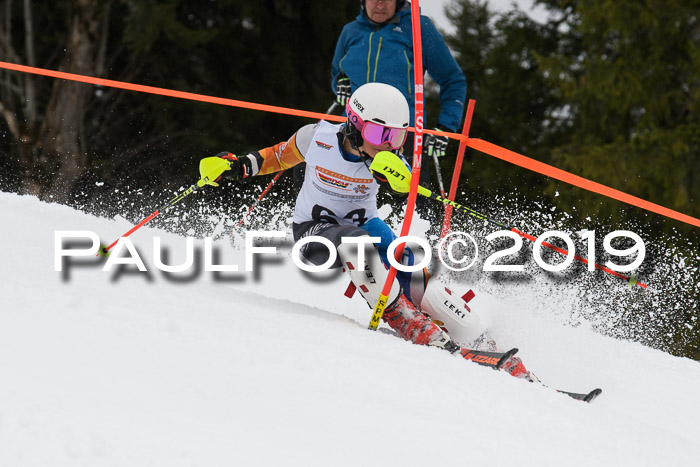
(367, 52)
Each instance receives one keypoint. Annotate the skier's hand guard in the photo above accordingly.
(211, 170)
(240, 168)
(398, 196)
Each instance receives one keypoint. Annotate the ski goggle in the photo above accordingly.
(377, 134)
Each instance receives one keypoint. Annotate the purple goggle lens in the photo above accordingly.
(376, 134)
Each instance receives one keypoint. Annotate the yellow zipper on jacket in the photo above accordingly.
(408, 74)
(376, 59)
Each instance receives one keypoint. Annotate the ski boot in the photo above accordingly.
(400, 314)
(412, 325)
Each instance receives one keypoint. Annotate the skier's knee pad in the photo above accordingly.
(370, 276)
(451, 312)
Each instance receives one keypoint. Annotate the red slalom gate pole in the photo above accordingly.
(415, 171)
(458, 167)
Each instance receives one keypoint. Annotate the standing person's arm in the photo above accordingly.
(341, 48)
(443, 68)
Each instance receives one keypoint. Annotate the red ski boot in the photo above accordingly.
(514, 366)
(412, 325)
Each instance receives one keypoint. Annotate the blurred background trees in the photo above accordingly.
(607, 90)
(75, 143)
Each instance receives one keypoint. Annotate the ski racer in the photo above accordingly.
(377, 46)
(339, 199)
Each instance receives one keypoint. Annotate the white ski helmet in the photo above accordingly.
(378, 113)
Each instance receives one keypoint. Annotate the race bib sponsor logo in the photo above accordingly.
(361, 188)
(334, 179)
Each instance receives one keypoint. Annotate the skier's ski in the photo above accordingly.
(492, 359)
(514, 366)
(585, 397)
(504, 361)
(486, 358)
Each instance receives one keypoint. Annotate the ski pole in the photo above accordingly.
(210, 169)
(390, 167)
(438, 172)
(457, 168)
(332, 108)
(257, 201)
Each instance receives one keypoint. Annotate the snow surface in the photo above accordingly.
(126, 368)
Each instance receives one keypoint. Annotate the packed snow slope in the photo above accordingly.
(129, 368)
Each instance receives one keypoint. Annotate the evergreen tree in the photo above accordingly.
(515, 107)
(62, 137)
(632, 93)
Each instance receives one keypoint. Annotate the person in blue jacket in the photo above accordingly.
(378, 47)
